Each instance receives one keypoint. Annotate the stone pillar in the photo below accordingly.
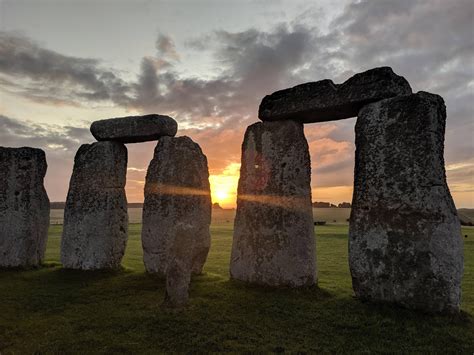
(274, 242)
(405, 244)
(95, 216)
(177, 193)
(24, 207)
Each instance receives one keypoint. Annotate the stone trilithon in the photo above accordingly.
(405, 244)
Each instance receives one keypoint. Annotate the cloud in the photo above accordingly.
(14, 132)
(166, 47)
(48, 76)
(428, 42)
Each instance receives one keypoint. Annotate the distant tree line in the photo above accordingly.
(61, 205)
(319, 204)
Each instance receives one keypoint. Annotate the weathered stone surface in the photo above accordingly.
(405, 243)
(134, 129)
(24, 207)
(95, 216)
(178, 273)
(176, 190)
(274, 242)
(325, 101)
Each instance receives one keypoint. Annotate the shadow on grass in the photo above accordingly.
(120, 311)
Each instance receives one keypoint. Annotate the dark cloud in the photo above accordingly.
(429, 42)
(147, 86)
(48, 75)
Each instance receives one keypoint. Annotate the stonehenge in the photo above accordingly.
(176, 190)
(405, 244)
(176, 212)
(274, 242)
(325, 101)
(24, 207)
(95, 217)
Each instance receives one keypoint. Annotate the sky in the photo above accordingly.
(208, 64)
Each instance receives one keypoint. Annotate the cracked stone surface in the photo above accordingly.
(178, 273)
(24, 207)
(95, 228)
(405, 243)
(274, 242)
(325, 101)
(176, 191)
(134, 129)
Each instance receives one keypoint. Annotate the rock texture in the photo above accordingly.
(178, 273)
(405, 243)
(24, 207)
(134, 129)
(176, 191)
(325, 101)
(274, 242)
(95, 216)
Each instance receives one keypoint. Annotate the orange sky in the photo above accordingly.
(223, 149)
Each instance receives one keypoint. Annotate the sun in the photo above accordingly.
(221, 194)
(224, 186)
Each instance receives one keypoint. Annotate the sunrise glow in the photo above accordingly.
(224, 186)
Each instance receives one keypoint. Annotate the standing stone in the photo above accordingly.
(178, 273)
(24, 207)
(95, 216)
(176, 191)
(405, 244)
(325, 101)
(274, 242)
(134, 129)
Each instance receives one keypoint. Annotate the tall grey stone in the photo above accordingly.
(274, 242)
(325, 101)
(176, 191)
(95, 216)
(405, 244)
(134, 129)
(24, 207)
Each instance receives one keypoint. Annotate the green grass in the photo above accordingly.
(51, 310)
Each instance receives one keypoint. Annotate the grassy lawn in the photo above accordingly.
(51, 310)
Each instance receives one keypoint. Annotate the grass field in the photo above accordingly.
(51, 310)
